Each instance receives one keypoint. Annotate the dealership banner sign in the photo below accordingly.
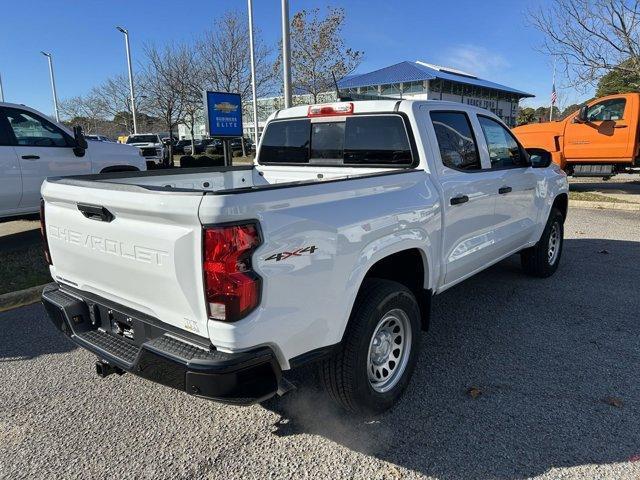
(224, 114)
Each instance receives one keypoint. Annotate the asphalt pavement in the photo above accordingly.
(553, 365)
(20, 233)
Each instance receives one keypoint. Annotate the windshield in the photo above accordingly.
(372, 140)
(142, 139)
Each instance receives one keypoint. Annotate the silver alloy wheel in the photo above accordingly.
(553, 249)
(389, 350)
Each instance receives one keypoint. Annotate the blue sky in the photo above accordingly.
(490, 39)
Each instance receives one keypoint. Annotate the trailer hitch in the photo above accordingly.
(104, 369)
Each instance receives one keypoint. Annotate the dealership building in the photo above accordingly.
(411, 80)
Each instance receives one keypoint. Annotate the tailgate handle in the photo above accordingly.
(95, 212)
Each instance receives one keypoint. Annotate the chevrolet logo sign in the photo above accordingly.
(226, 107)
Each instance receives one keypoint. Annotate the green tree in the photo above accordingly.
(574, 107)
(620, 80)
(526, 115)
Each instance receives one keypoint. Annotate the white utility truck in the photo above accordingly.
(217, 281)
(33, 148)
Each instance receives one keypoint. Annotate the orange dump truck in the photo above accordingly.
(599, 140)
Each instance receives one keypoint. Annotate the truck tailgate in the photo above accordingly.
(144, 253)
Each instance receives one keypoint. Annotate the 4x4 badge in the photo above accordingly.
(296, 253)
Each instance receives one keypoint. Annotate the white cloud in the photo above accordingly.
(474, 59)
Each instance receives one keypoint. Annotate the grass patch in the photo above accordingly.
(23, 268)
(593, 197)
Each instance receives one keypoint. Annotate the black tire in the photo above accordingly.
(345, 375)
(537, 260)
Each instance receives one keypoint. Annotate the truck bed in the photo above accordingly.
(220, 180)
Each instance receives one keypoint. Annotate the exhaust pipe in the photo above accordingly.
(104, 369)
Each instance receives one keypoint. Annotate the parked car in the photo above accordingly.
(33, 147)
(178, 147)
(328, 249)
(154, 151)
(600, 140)
(206, 145)
(236, 144)
(98, 138)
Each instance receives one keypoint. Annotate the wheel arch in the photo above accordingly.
(409, 267)
(561, 202)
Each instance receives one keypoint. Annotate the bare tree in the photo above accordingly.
(591, 37)
(164, 75)
(318, 51)
(115, 100)
(224, 59)
(193, 85)
(86, 111)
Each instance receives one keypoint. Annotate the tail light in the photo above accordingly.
(43, 234)
(330, 110)
(232, 288)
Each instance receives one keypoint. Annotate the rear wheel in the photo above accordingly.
(543, 258)
(378, 353)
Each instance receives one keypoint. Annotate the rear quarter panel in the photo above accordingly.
(307, 297)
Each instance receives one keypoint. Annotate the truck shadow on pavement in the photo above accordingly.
(553, 365)
(23, 339)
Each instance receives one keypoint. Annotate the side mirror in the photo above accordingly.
(81, 142)
(539, 158)
(582, 114)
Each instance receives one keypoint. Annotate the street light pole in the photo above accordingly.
(1, 90)
(286, 53)
(53, 85)
(253, 72)
(133, 101)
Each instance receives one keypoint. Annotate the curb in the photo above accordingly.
(11, 300)
(630, 207)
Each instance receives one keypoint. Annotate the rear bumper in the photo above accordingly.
(160, 355)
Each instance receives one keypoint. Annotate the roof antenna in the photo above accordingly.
(338, 94)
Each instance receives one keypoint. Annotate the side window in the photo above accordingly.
(607, 110)
(504, 151)
(457, 144)
(33, 131)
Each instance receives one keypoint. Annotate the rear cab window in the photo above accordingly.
(372, 140)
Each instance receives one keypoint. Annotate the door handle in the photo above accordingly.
(504, 190)
(95, 212)
(618, 125)
(460, 199)
(30, 157)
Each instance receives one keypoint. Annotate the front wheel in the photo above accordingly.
(543, 258)
(373, 366)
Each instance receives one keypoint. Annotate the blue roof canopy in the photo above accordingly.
(413, 71)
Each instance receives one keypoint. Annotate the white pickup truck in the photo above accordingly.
(151, 148)
(33, 148)
(329, 248)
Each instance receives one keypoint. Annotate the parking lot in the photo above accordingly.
(553, 366)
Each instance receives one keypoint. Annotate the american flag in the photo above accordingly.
(554, 95)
